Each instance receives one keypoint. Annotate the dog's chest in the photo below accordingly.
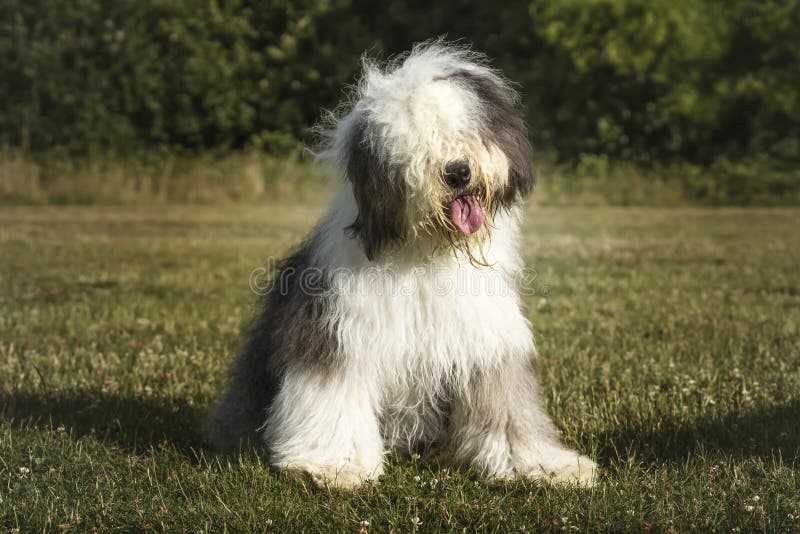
(443, 318)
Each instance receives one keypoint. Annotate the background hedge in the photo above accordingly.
(639, 80)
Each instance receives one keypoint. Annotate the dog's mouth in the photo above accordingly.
(466, 214)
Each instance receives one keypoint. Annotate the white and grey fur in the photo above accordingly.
(411, 334)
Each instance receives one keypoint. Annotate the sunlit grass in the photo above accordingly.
(669, 350)
(250, 177)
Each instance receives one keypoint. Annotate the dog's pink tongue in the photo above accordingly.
(466, 214)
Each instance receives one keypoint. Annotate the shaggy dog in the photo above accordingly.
(398, 324)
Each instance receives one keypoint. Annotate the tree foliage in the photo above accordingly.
(642, 80)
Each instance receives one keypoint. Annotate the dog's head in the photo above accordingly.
(434, 144)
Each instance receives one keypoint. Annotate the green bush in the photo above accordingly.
(654, 82)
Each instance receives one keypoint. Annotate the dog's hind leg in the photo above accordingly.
(500, 428)
(323, 421)
(237, 417)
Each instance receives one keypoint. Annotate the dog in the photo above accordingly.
(398, 324)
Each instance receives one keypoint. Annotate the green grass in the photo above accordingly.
(670, 352)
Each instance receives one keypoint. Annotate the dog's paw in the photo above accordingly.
(347, 477)
(581, 472)
(560, 467)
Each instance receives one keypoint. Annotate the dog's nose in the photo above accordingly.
(457, 174)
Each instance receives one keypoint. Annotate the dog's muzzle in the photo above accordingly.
(465, 211)
(457, 174)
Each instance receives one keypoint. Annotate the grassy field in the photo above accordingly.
(670, 352)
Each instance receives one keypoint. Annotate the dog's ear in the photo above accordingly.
(511, 137)
(502, 123)
(379, 195)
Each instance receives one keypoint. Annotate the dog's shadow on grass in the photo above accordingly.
(772, 433)
(135, 424)
(140, 424)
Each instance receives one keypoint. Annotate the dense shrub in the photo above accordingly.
(646, 81)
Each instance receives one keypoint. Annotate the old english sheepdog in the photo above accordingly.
(398, 324)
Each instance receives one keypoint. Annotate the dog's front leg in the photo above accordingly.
(500, 428)
(323, 421)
